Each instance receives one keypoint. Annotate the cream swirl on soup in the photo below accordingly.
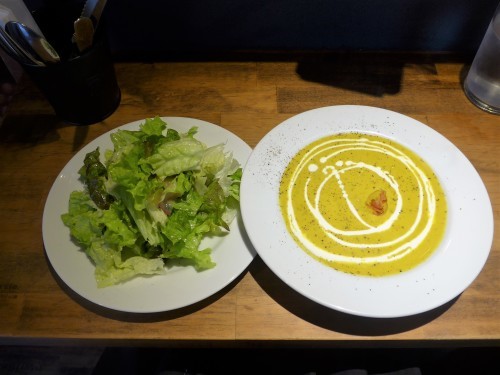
(363, 204)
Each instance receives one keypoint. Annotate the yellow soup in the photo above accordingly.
(363, 204)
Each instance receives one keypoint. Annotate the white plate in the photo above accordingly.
(447, 273)
(179, 287)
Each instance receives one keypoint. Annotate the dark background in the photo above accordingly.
(159, 28)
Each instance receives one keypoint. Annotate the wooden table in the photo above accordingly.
(248, 95)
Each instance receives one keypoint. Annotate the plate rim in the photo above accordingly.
(266, 143)
(104, 297)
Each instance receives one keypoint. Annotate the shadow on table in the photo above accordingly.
(28, 130)
(327, 318)
(294, 302)
(156, 316)
(288, 298)
(365, 73)
(372, 73)
(140, 317)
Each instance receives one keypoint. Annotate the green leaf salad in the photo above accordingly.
(152, 200)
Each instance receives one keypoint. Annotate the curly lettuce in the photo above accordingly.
(153, 199)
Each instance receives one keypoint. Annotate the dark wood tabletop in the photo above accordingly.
(247, 96)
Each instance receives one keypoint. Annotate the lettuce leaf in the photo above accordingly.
(168, 191)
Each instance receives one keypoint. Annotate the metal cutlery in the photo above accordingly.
(16, 51)
(32, 42)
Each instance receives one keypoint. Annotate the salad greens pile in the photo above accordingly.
(157, 194)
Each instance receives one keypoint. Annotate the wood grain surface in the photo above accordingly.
(248, 97)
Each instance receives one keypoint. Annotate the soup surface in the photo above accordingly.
(363, 204)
